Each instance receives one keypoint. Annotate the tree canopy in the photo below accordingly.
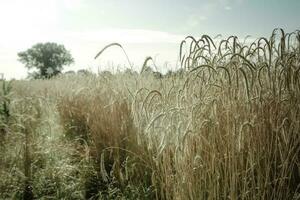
(48, 59)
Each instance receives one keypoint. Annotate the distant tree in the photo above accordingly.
(148, 71)
(71, 72)
(105, 73)
(177, 73)
(47, 58)
(84, 72)
(131, 72)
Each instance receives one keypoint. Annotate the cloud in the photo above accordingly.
(195, 20)
(228, 8)
(126, 36)
(229, 4)
(229, 1)
(73, 4)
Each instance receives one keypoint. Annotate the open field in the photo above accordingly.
(225, 126)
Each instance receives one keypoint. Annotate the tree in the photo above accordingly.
(47, 58)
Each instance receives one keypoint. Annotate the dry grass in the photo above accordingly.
(226, 127)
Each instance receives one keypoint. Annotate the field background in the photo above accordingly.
(224, 126)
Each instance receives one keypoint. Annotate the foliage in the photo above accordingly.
(47, 58)
(5, 100)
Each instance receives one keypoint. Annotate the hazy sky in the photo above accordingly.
(145, 28)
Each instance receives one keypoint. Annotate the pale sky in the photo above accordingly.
(144, 28)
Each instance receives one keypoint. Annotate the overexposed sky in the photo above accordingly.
(144, 28)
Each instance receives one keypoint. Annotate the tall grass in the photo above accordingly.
(226, 126)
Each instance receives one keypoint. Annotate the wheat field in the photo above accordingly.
(224, 126)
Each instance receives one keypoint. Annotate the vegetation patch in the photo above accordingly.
(224, 126)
